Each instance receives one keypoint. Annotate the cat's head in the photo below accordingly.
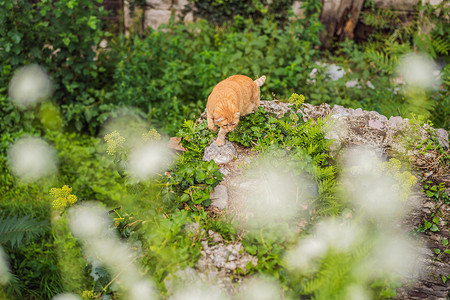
(227, 121)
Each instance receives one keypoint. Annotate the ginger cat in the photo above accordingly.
(230, 99)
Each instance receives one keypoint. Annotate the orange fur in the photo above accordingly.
(230, 99)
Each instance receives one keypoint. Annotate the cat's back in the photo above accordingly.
(235, 82)
(236, 85)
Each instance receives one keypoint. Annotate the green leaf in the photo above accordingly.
(444, 242)
(92, 22)
(447, 251)
(184, 198)
(434, 228)
(66, 41)
(437, 251)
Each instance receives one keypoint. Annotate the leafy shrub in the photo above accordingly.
(62, 37)
(218, 12)
(169, 74)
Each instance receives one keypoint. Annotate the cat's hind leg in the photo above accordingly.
(210, 120)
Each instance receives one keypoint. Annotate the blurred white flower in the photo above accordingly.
(371, 191)
(89, 222)
(261, 289)
(92, 224)
(393, 253)
(142, 290)
(418, 70)
(337, 234)
(357, 292)
(306, 251)
(66, 296)
(128, 123)
(275, 195)
(29, 85)
(4, 270)
(199, 292)
(145, 161)
(31, 158)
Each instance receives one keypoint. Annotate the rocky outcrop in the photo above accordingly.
(347, 127)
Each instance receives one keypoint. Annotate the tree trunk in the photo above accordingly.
(339, 18)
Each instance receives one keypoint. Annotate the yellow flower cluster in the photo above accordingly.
(151, 135)
(88, 295)
(405, 180)
(114, 141)
(63, 197)
(297, 99)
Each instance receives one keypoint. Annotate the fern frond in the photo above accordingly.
(424, 44)
(17, 230)
(381, 18)
(380, 60)
(441, 44)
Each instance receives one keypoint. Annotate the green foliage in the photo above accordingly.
(290, 139)
(36, 271)
(219, 11)
(86, 167)
(374, 62)
(169, 74)
(62, 37)
(70, 259)
(15, 231)
(192, 180)
(171, 245)
(251, 128)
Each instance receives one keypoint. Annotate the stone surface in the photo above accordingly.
(217, 263)
(276, 107)
(159, 4)
(442, 136)
(180, 4)
(297, 9)
(155, 17)
(175, 144)
(220, 155)
(219, 197)
(397, 4)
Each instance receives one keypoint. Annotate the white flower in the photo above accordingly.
(418, 70)
(29, 85)
(66, 296)
(145, 161)
(31, 158)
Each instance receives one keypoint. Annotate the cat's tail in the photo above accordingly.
(260, 81)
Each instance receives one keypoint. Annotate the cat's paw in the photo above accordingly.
(213, 128)
(220, 142)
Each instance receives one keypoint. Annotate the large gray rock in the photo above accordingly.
(220, 155)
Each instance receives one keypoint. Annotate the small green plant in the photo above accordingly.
(191, 180)
(441, 197)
